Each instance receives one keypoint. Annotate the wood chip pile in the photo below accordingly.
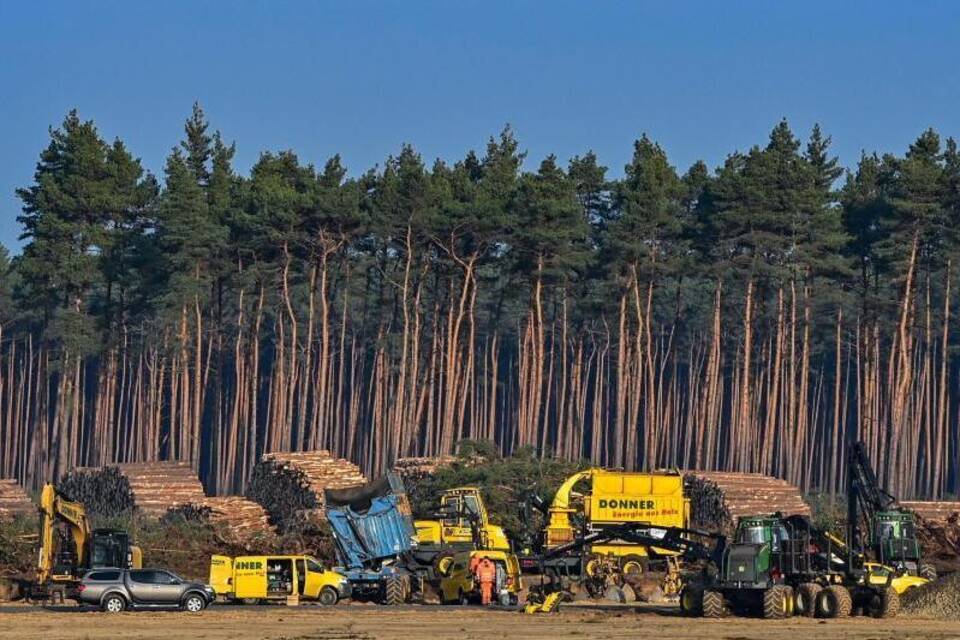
(157, 486)
(718, 498)
(14, 500)
(290, 486)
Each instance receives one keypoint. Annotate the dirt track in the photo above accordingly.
(435, 623)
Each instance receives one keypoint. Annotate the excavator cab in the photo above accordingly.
(111, 548)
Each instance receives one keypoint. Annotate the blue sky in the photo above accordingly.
(361, 78)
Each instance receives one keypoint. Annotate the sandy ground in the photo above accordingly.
(436, 623)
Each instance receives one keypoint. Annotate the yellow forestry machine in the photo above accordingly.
(625, 525)
(69, 547)
(462, 532)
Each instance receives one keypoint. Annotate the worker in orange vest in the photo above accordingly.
(487, 574)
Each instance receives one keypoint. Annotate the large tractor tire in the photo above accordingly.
(928, 571)
(805, 599)
(834, 602)
(394, 590)
(691, 601)
(777, 602)
(885, 603)
(714, 605)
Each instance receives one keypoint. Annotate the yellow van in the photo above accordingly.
(254, 579)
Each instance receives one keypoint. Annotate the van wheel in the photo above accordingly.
(463, 599)
(250, 601)
(194, 604)
(328, 596)
(114, 604)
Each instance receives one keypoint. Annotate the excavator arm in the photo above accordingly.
(54, 509)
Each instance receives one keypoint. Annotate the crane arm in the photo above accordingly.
(53, 509)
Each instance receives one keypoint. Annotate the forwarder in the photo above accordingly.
(876, 523)
(780, 566)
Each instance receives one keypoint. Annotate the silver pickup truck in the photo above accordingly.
(114, 590)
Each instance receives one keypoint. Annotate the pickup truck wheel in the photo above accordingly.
(328, 596)
(194, 603)
(114, 604)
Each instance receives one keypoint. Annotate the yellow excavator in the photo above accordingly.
(69, 547)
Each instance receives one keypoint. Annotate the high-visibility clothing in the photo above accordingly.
(486, 592)
(487, 571)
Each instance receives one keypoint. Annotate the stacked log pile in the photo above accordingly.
(289, 486)
(414, 469)
(157, 486)
(103, 491)
(718, 498)
(14, 500)
(241, 520)
(931, 510)
(235, 519)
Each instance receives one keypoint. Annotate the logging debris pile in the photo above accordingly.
(157, 486)
(289, 486)
(14, 500)
(718, 498)
(937, 599)
(104, 491)
(938, 529)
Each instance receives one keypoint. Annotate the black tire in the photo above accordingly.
(250, 601)
(805, 599)
(394, 590)
(691, 601)
(328, 596)
(834, 602)
(194, 603)
(928, 571)
(714, 605)
(113, 603)
(463, 599)
(885, 603)
(776, 602)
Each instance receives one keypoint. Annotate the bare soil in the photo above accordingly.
(363, 622)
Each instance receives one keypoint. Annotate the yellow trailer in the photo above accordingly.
(254, 579)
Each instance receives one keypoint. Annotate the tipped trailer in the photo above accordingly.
(376, 541)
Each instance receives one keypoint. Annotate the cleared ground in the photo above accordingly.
(360, 622)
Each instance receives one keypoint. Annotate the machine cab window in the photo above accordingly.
(887, 530)
(753, 534)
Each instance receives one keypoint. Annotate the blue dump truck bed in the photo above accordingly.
(373, 530)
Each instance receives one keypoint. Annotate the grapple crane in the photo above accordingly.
(876, 523)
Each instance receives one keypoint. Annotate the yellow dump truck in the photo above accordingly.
(256, 579)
